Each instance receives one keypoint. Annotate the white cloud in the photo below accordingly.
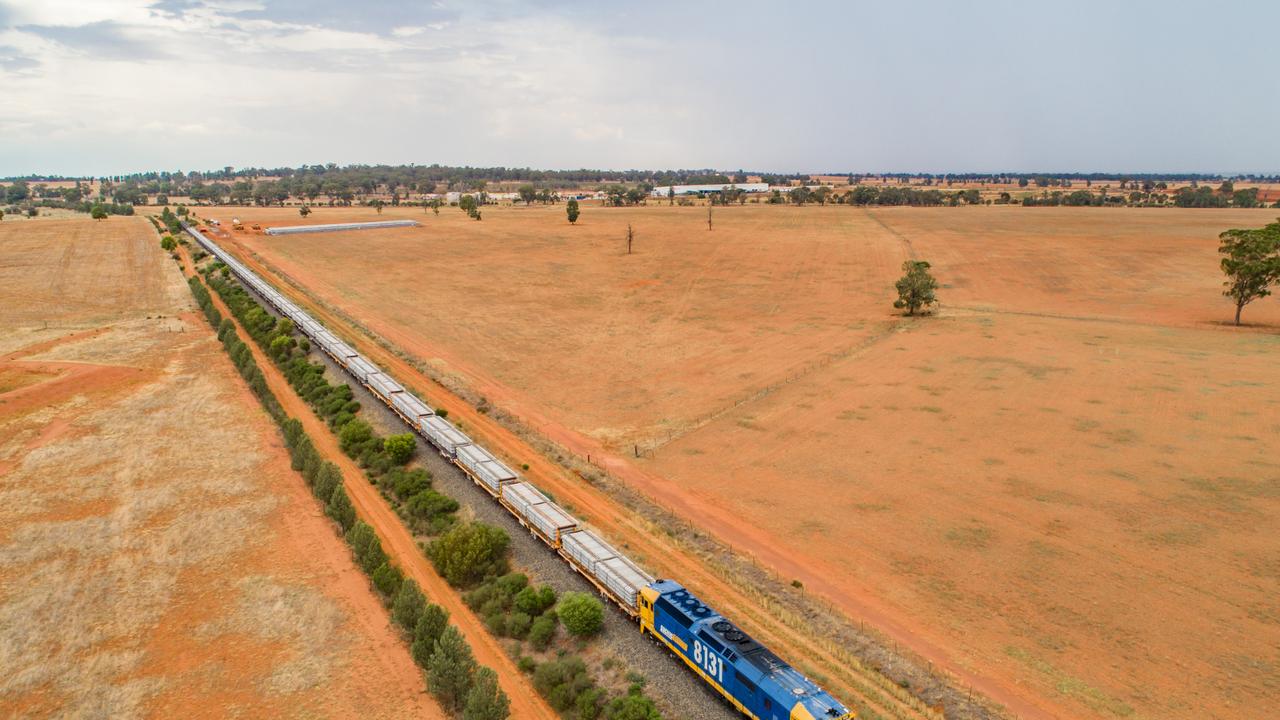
(75, 13)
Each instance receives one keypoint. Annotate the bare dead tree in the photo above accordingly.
(630, 237)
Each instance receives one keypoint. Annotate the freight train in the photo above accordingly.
(747, 675)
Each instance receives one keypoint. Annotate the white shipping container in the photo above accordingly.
(383, 385)
(587, 549)
(410, 406)
(361, 368)
(489, 469)
(522, 496)
(445, 436)
(342, 351)
(551, 520)
(622, 577)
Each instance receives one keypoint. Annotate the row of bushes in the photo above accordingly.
(239, 352)
(470, 555)
(335, 403)
(383, 459)
(452, 673)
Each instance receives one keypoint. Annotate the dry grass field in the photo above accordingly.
(158, 557)
(1064, 484)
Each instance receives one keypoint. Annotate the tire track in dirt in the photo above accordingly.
(395, 538)
(906, 241)
(665, 554)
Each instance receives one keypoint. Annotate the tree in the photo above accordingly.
(916, 288)
(400, 447)
(528, 194)
(582, 614)
(304, 211)
(469, 552)
(431, 625)
(1251, 263)
(571, 209)
(378, 205)
(329, 478)
(630, 237)
(1, 215)
(467, 203)
(340, 508)
(671, 195)
(485, 700)
(366, 547)
(408, 606)
(98, 212)
(451, 668)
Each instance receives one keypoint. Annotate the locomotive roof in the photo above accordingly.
(756, 662)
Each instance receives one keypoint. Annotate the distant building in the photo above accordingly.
(661, 192)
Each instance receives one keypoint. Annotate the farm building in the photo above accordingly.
(666, 190)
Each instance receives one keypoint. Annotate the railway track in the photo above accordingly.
(876, 695)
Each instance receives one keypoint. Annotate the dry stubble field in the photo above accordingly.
(158, 557)
(1064, 486)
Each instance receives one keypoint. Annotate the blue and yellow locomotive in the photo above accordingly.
(753, 679)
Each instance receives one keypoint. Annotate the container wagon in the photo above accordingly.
(750, 677)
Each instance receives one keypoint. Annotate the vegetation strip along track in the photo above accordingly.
(395, 538)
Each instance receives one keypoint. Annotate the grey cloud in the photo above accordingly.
(12, 60)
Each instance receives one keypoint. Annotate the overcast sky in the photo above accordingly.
(113, 86)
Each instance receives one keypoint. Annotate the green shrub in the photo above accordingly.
(542, 631)
(311, 465)
(589, 704)
(511, 584)
(534, 602)
(632, 706)
(562, 681)
(431, 625)
(408, 606)
(526, 664)
(485, 700)
(354, 436)
(366, 547)
(469, 552)
(327, 479)
(400, 447)
(496, 622)
(582, 614)
(407, 483)
(450, 669)
(518, 624)
(388, 579)
(341, 509)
